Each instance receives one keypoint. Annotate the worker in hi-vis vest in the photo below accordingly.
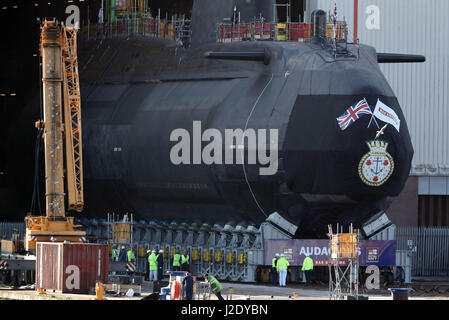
(131, 256)
(307, 267)
(215, 286)
(114, 253)
(152, 260)
(177, 261)
(282, 266)
(185, 261)
(274, 271)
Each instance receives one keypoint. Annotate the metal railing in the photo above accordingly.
(259, 30)
(429, 248)
(7, 228)
(174, 29)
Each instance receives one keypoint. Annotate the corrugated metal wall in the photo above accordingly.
(428, 247)
(431, 258)
(433, 211)
(416, 27)
(6, 229)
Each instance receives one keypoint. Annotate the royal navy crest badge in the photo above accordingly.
(377, 166)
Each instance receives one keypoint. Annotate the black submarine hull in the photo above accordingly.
(128, 120)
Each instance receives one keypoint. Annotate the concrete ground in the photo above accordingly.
(313, 292)
(240, 291)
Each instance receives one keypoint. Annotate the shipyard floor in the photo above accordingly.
(422, 290)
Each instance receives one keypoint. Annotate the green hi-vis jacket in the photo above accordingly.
(215, 286)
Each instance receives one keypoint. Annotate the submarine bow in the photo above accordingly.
(336, 161)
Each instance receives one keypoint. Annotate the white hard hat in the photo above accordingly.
(154, 251)
(282, 255)
(161, 251)
(148, 251)
(277, 254)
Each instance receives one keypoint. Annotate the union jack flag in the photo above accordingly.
(353, 114)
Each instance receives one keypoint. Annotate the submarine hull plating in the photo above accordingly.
(129, 119)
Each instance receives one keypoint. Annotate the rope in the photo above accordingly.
(243, 149)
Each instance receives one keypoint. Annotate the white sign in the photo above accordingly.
(386, 114)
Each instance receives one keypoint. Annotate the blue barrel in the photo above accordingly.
(400, 294)
(165, 291)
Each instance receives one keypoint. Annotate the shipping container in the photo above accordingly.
(71, 268)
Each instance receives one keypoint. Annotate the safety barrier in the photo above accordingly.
(230, 32)
(174, 29)
(429, 248)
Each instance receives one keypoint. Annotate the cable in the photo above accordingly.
(243, 149)
(36, 192)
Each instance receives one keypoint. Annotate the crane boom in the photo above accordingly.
(62, 102)
(74, 150)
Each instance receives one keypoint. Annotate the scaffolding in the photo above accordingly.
(343, 264)
(229, 252)
(259, 29)
(120, 234)
(120, 230)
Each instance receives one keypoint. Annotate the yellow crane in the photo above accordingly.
(61, 122)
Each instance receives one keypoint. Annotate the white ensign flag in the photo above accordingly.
(386, 114)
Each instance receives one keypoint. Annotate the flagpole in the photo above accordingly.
(356, 20)
(373, 118)
(371, 121)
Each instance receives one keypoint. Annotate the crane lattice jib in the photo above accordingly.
(72, 115)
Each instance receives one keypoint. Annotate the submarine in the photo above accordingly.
(296, 120)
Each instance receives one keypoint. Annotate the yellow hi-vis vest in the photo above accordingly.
(282, 264)
(131, 256)
(273, 262)
(307, 264)
(185, 259)
(215, 286)
(176, 259)
(152, 260)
